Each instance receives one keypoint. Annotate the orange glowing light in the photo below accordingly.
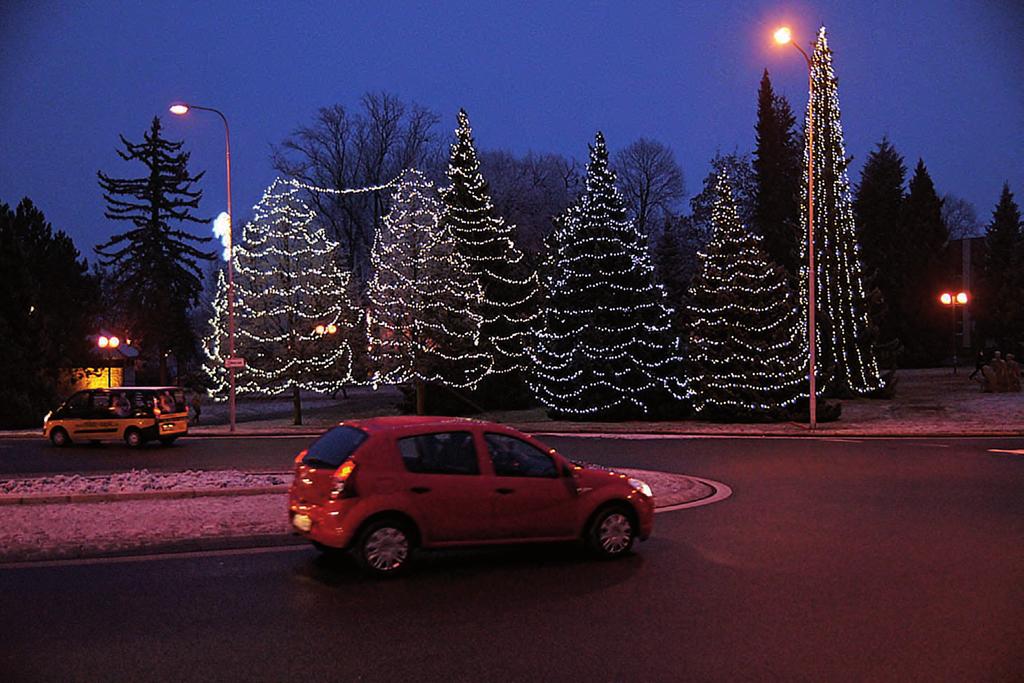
(332, 328)
(114, 342)
(946, 298)
(961, 298)
(783, 35)
(319, 329)
(102, 342)
(179, 109)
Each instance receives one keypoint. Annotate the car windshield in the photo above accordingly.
(334, 447)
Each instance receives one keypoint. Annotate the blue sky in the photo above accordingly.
(942, 79)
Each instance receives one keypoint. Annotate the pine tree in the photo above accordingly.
(607, 350)
(1001, 304)
(674, 268)
(777, 168)
(845, 353)
(924, 327)
(747, 355)
(510, 306)
(422, 327)
(295, 323)
(155, 269)
(878, 205)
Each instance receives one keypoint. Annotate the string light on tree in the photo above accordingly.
(846, 357)
(422, 324)
(287, 281)
(511, 299)
(607, 350)
(747, 355)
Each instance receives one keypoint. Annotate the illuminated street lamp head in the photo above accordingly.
(961, 298)
(946, 298)
(332, 328)
(783, 35)
(320, 329)
(102, 342)
(114, 342)
(179, 109)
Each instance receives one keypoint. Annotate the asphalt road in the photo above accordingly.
(833, 560)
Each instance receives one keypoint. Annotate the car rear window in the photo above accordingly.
(334, 447)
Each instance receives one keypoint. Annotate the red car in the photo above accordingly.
(385, 486)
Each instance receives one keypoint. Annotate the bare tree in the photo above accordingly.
(343, 149)
(960, 217)
(651, 182)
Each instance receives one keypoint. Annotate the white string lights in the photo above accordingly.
(845, 354)
(747, 357)
(607, 350)
(288, 284)
(422, 323)
(511, 301)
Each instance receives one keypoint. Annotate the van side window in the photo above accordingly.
(441, 453)
(76, 406)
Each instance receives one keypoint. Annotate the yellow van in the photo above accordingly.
(132, 414)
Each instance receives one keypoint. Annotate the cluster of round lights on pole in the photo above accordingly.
(330, 328)
(948, 298)
(105, 342)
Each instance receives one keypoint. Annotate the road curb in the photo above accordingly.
(50, 499)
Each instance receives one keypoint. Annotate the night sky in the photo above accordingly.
(941, 78)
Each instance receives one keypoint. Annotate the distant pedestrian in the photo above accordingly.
(197, 406)
(979, 363)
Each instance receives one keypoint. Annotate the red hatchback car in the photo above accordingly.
(385, 486)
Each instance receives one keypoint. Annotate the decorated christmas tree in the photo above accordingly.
(422, 322)
(748, 359)
(511, 299)
(607, 350)
(294, 317)
(845, 355)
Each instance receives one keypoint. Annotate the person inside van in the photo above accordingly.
(122, 406)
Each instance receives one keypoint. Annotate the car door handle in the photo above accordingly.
(505, 492)
(420, 489)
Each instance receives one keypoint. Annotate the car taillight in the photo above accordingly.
(300, 456)
(344, 484)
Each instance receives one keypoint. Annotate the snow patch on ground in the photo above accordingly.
(139, 481)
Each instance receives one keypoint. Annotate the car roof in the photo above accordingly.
(403, 423)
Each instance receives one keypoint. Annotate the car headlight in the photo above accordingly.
(642, 487)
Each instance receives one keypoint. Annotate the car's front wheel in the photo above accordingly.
(59, 437)
(384, 548)
(611, 532)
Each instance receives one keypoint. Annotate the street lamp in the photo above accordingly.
(180, 109)
(784, 36)
(951, 300)
(108, 343)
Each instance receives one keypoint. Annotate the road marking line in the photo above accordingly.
(1001, 450)
(721, 493)
(153, 557)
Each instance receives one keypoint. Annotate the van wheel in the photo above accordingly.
(611, 532)
(59, 437)
(384, 548)
(133, 437)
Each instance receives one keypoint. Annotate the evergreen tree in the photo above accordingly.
(845, 353)
(1001, 304)
(295, 321)
(155, 267)
(777, 167)
(878, 206)
(924, 327)
(747, 353)
(510, 305)
(422, 327)
(607, 350)
(744, 189)
(673, 269)
(46, 313)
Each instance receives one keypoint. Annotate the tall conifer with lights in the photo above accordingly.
(295, 319)
(422, 325)
(845, 354)
(511, 300)
(747, 355)
(607, 350)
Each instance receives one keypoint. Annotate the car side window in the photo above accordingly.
(77, 405)
(513, 457)
(100, 406)
(441, 453)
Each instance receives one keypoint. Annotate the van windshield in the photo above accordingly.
(334, 447)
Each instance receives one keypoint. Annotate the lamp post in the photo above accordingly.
(951, 300)
(784, 36)
(109, 343)
(180, 109)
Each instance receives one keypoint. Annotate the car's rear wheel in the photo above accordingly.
(133, 437)
(611, 532)
(384, 547)
(59, 437)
